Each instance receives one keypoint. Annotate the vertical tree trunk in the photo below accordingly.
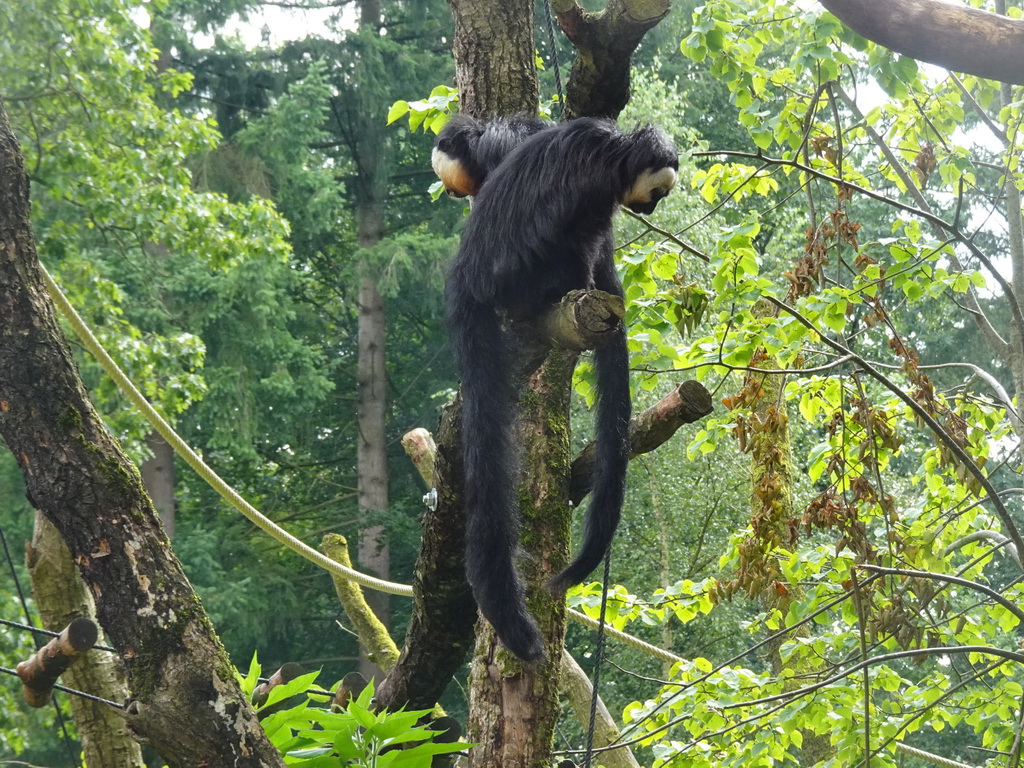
(371, 462)
(61, 596)
(494, 57)
(514, 706)
(185, 698)
(158, 477)
(372, 466)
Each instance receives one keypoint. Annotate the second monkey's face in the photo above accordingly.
(458, 182)
(648, 189)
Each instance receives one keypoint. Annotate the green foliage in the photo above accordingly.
(864, 198)
(848, 222)
(431, 113)
(102, 151)
(310, 734)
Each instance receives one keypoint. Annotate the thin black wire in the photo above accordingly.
(17, 583)
(50, 633)
(28, 617)
(72, 691)
(554, 57)
(598, 657)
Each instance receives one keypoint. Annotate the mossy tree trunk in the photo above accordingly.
(185, 699)
(61, 596)
(513, 707)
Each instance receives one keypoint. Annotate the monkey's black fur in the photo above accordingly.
(540, 227)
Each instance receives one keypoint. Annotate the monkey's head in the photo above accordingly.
(467, 150)
(454, 158)
(651, 168)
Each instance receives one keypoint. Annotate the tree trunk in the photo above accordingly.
(374, 555)
(61, 596)
(185, 698)
(372, 459)
(604, 41)
(494, 49)
(514, 706)
(158, 477)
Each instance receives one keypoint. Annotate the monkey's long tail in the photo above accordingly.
(609, 479)
(492, 518)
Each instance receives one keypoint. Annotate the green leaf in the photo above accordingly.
(398, 110)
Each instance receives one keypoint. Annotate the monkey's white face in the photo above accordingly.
(648, 189)
(452, 174)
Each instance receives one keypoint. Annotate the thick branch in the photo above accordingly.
(687, 403)
(580, 691)
(40, 672)
(376, 643)
(583, 320)
(951, 35)
(604, 42)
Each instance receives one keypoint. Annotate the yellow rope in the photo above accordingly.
(261, 521)
(623, 637)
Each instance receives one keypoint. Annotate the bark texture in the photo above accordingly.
(686, 404)
(495, 70)
(61, 596)
(372, 457)
(371, 463)
(374, 640)
(185, 699)
(604, 41)
(440, 631)
(514, 707)
(951, 35)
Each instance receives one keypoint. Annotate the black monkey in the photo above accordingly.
(540, 227)
(467, 150)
